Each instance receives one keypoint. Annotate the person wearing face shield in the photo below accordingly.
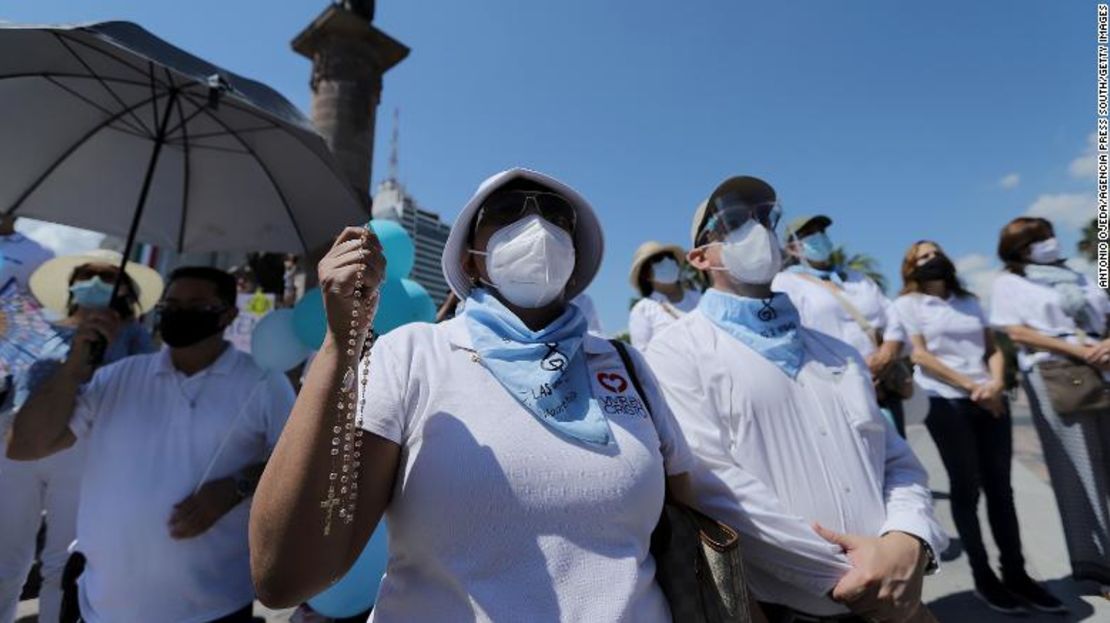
(174, 442)
(1058, 319)
(848, 305)
(657, 276)
(791, 448)
(75, 287)
(519, 472)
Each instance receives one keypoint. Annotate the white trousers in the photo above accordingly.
(27, 489)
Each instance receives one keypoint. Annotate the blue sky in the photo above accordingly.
(900, 120)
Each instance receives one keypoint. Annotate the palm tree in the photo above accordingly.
(861, 263)
(1088, 244)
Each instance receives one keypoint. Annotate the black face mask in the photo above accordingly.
(185, 327)
(936, 269)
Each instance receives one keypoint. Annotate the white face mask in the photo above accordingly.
(529, 261)
(1045, 251)
(665, 271)
(751, 254)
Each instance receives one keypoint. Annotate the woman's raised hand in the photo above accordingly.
(355, 258)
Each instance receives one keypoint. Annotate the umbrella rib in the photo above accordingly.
(68, 152)
(90, 102)
(119, 59)
(183, 122)
(95, 76)
(226, 150)
(242, 131)
(269, 176)
(153, 91)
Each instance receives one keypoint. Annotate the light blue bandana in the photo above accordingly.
(544, 370)
(767, 326)
(832, 275)
(1067, 283)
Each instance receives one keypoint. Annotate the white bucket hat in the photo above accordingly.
(50, 282)
(589, 243)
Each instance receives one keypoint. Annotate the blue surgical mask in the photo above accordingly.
(665, 271)
(817, 247)
(91, 293)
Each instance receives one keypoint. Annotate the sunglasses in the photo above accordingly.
(509, 207)
(87, 272)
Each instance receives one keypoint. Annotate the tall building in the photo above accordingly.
(429, 234)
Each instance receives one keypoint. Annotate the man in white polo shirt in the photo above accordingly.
(19, 255)
(790, 445)
(175, 442)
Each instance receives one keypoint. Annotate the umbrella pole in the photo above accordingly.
(97, 354)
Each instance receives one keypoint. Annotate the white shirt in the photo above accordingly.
(21, 256)
(1016, 300)
(821, 311)
(148, 449)
(953, 330)
(650, 315)
(494, 516)
(775, 454)
(586, 305)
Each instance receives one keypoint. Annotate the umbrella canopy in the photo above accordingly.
(107, 127)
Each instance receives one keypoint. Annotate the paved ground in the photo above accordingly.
(949, 592)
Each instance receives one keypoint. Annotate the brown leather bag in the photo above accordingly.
(1074, 387)
(697, 558)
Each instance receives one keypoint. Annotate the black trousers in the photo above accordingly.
(976, 448)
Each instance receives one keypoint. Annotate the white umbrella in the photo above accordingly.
(107, 127)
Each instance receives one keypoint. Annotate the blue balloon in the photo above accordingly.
(421, 306)
(400, 254)
(309, 320)
(393, 307)
(355, 592)
(274, 343)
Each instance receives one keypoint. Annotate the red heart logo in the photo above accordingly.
(612, 382)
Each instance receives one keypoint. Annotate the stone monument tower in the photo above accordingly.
(349, 57)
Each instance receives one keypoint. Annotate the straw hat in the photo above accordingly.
(647, 251)
(50, 282)
(589, 243)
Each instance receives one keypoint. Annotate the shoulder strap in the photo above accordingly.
(669, 309)
(626, 359)
(852, 310)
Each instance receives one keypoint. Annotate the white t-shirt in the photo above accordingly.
(650, 315)
(775, 454)
(147, 449)
(821, 311)
(494, 516)
(586, 304)
(1016, 300)
(21, 256)
(953, 330)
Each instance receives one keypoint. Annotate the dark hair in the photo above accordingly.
(1016, 237)
(226, 289)
(909, 266)
(125, 305)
